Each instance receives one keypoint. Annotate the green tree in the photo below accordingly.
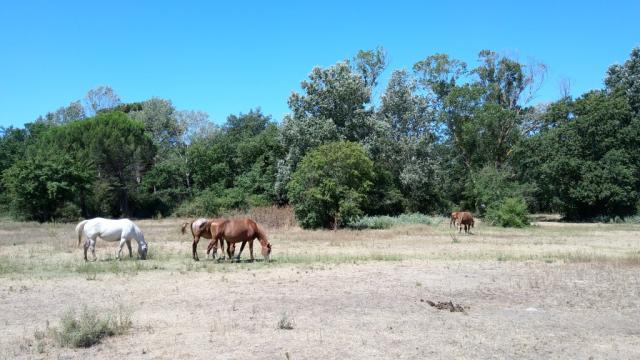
(117, 148)
(100, 99)
(406, 145)
(39, 185)
(625, 79)
(370, 64)
(334, 105)
(330, 185)
(588, 165)
(241, 158)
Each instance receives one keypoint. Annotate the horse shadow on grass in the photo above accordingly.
(243, 261)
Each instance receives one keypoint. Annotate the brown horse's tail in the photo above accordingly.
(184, 228)
(79, 229)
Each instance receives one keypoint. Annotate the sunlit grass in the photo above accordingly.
(50, 250)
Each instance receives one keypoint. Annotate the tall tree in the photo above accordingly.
(158, 117)
(329, 187)
(117, 147)
(586, 166)
(101, 98)
(370, 64)
(39, 185)
(334, 106)
(626, 79)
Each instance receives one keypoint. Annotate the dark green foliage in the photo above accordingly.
(625, 80)
(94, 164)
(38, 185)
(509, 212)
(68, 213)
(384, 198)
(211, 202)
(590, 164)
(443, 136)
(330, 185)
(243, 156)
(118, 150)
(491, 185)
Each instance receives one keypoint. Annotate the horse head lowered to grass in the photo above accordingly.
(122, 230)
(239, 230)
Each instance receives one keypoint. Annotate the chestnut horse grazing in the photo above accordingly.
(202, 228)
(111, 230)
(240, 230)
(466, 221)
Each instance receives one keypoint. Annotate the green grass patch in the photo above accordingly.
(87, 328)
(386, 222)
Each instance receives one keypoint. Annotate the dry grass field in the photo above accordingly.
(554, 290)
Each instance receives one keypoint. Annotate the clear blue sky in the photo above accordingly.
(228, 58)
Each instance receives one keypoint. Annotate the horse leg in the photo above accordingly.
(196, 239)
(241, 248)
(92, 245)
(86, 247)
(231, 250)
(251, 250)
(129, 247)
(211, 248)
(220, 246)
(122, 242)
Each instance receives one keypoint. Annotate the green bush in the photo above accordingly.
(512, 212)
(491, 185)
(88, 328)
(329, 187)
(372, 222)
(212, 202)
(38, 185)
(385, 222)
(205, 204)
(67, 213)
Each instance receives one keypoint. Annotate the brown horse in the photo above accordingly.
(240, 230)
(455, 217)
(202, 228)
(466, 221)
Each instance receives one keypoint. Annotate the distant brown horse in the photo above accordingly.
(240, 230)
(466, 221)
(202, 228)
(455, 217)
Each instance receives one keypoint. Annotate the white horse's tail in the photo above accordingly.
(79, 229)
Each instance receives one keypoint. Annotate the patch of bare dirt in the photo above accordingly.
(445, 305)
(352, 311)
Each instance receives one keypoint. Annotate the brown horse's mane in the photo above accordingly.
(261, 235)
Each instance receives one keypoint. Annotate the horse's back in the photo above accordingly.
(199, 228)
(111, 229)
(466, 218)
(238, 229)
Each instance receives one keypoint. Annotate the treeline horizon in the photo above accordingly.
(443, 136)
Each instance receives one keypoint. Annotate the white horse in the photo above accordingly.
(111, 230)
